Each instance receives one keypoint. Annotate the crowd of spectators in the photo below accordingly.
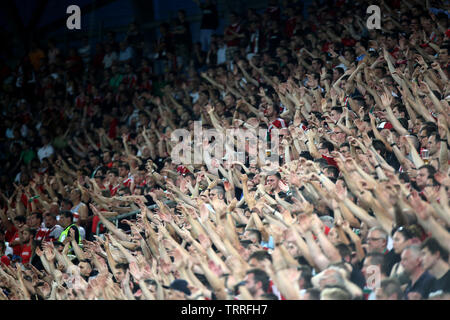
(359, 208)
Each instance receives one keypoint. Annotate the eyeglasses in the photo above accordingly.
(374, 239)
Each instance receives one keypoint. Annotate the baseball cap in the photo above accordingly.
(180, 285)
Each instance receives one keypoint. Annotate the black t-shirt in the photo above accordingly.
(184, 38)
(391, 258)
(442, 283)
(210, 18)
(357, 277)
(422, 286)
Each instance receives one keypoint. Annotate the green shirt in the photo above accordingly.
(60, 142)
(116, 81)
(27, 156)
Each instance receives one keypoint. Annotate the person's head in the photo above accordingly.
(178, 290)
(20, 222)
(338, 135)
(347, 84)
(234, 18)
(401, 239)
(313, 80)
(443, 54)
(271, 111)
(391, 41)
(75, 195)
(121, 270)
(66, 204)
(305, 277)
(311, 294)
(349, 54)
(259, 258)
(254, 235)
(389, 289)
(257, 282)
(58, 246)
(432, 252)
(36, 220)
(433, 144)
(337, 73)
(93, 160)
(85, 268)
(345, 252)
(411, 259)
(335, 113)
(425, 176)
(316, 64)
(217, 192)
(66, 218)
(106, 157)
(325, 147)
(344, 148)
(26, 235)
(374, 265)
(377, 240)
(335, 293)
(425, 132)
(273, 181)
(44, 289)
(331, 172)
(124, 169)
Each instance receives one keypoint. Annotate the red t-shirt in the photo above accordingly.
(112, 133)
(17, 249)
(10, 234)
(26, 253)
(41, 233)
(5, 260)
(290, 27)
(236, 28)
(330, 161)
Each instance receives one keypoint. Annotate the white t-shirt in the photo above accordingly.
(45, 152)
(85, 53)
(125, 55)
(221, 55)
(108, 59)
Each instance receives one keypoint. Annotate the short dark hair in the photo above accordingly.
(37, 214)
(67, 214)
(260, 255)
(314, 293)
(306, 274)
(433, 246)
(20, 219)
(391, 286)
(269, 296)
(333, 170)
(257, 233)
(378, 258)
(124, 165)
(245, 243)
(429, 127)
(114, 171)
(67, 201)
(344, 250)
(431, 172)
(379, 146)
(337, 109)
(122, 266)
(261, 275)
(328, 145)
